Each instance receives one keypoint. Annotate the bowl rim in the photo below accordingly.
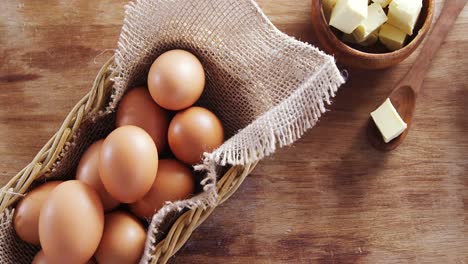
(415, 41)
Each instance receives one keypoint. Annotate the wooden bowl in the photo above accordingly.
(376, 56)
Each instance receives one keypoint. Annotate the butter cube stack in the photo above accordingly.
(375, 18)
(369, 41)
(348, 14)
(392, 37)
(388, 121)
(364, 24)
(404, 14)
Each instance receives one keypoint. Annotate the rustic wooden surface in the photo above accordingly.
(330, 198)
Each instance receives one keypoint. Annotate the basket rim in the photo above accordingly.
(47, 157)
(92, 104)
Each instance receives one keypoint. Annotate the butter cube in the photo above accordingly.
(328, 6)
(371, 39)
(383, 3)
(388, 121)
(375, 18)
(404, 14)
(348, 14)
(392, 37)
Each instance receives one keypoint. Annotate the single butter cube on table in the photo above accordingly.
(383, 3)
(388, 121)
(348, 14)
(404, 14)
(392, 37)
(375, 18)
(328, 6)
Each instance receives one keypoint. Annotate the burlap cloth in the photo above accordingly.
(266, 87)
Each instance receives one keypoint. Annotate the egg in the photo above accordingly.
(88, 172)
(176, 79)
(192, 132)
(128, 163)
(26, 216)
(40, 258)
(174, 182)
(71, 223)
(137, 108)
(123, 240)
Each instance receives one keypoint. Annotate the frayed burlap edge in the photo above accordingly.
(308, 101)
(324, 83)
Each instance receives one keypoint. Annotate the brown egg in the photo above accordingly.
(128, 163)
(26, 218)
(40, 258)
(193, 132)
(174, 182)
(88, 172)
(71, 223)
(123, 240)
(137, 108)
(176, 79)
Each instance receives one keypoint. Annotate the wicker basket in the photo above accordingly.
(90, 105)
(266, 87)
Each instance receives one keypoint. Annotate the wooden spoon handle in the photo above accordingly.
(450, 12)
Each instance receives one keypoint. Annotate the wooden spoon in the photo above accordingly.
(403, 97)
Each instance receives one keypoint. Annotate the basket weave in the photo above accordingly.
(266, 87)
(89, 105)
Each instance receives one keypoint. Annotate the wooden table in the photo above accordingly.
(330, 198)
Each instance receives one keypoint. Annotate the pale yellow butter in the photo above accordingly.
(370, 40)
(375, 18)
(383, 3)
(348, 14)
(328, 6)
(388, 121)
(392, 37)
(404, 14)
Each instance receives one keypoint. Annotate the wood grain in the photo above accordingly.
(404, 96)
(330, 198)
